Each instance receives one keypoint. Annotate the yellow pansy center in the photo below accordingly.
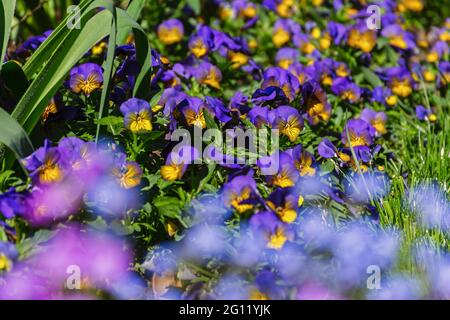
(50, 172)
(198, 48)
(287, 214)
(317, 112)
(429, 76)
(342, 71)
(365, 41)
(280, 37)
(140, 122)
(249, 11)
(87, 86)
(131, 177)
(277, 240)
(379, 125)
(304, 166)
(325, 42)
(257, 295)
(169, 35)
(391, 100)
(237, 59)
(49, 109)
(172, 172)
(398, 41)
(283, 180)
(327, 80)
(5, 264)
(348, 95)
(236, 201)
(357, 140)
(284, 63)
(307, 48)
(212, 79)
(195, 119)
(99, 49)
(412, 5)
(432, 57)
(225, 12)
(401, 88)
(291, 128)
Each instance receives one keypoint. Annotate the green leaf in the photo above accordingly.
(67, 54)
(326, 167)
(108, 69)
(371, 77)
(168, 206)
(13, 135)
(61, 34)
(134, 11)
(6, 16)
(31, 245)
(195, 5)
(209, 119)
(110, 121)
(14, 79)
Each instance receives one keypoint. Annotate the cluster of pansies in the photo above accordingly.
(65, 177)
(315, 72)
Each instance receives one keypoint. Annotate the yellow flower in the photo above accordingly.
(303, 165)
(429, 76)
(212, 78)
(236, 201)
(365, 41)
(318, 112)
(291, 128)
(172, 172)
(356, 140)
(398, 41)
(287, 214)
(50, 172)
(348, 95)
(285, 8)
(284, 63)
(157, 108)
(130, 177)
(325, 42)
(86, 86)
(237, 59)
(253, 44)
(5, 264)
(51, 108)
(198, 48)
(99, 48)
(391, 100)
(401, 88)
(171, 228)
(379, 125)
(307, 48)
(412, 5)
(283, 180)
(169, 36)
(257, 295)
(280, 37)
(278, 239)
(195, 119)
(315, 33)
(432, 57)
(225, 12)
(342, 71)
(327, 80)
(139, 122)
(249, 11)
